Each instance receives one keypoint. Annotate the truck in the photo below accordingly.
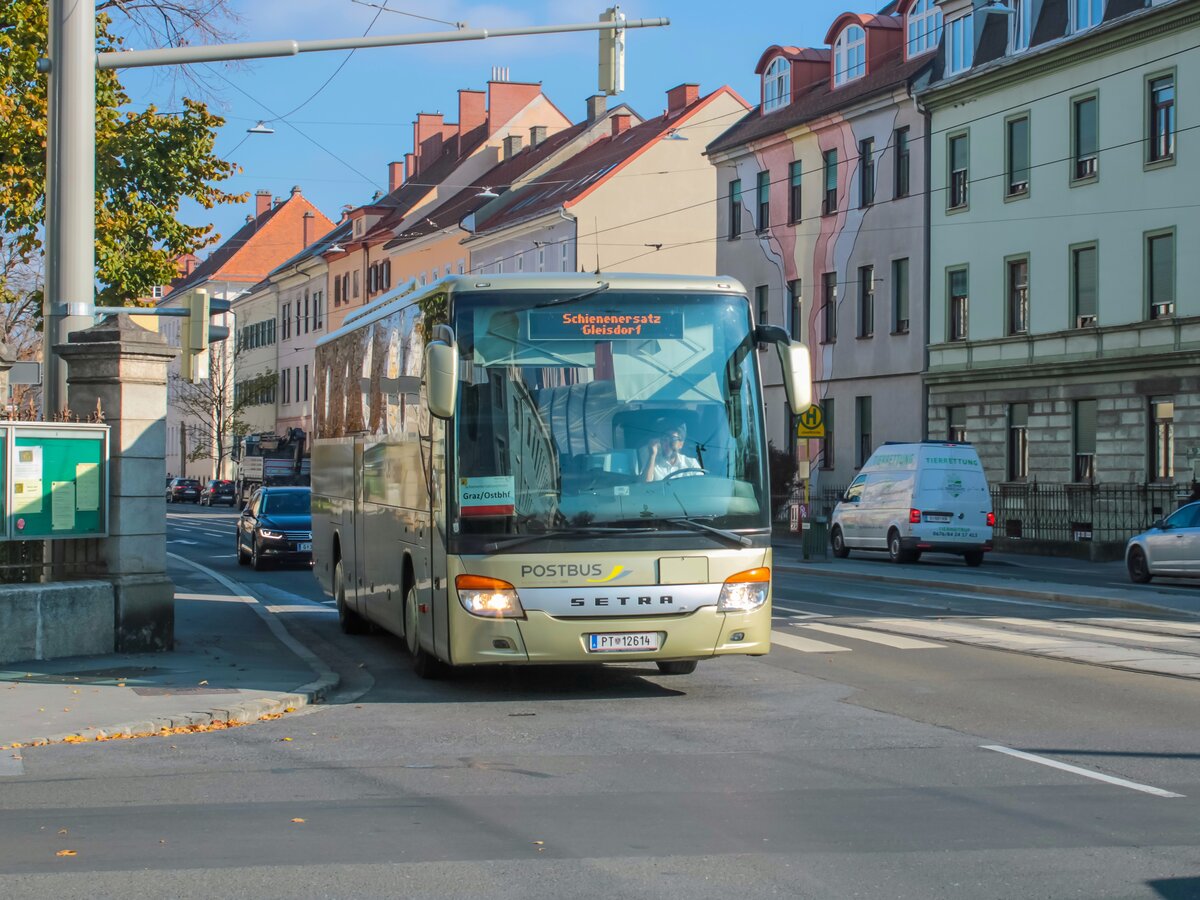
(271, 459)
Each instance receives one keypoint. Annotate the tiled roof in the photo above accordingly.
(821, 99)
(211, 267)
(339, 232)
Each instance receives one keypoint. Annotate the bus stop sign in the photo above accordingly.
(811, 423)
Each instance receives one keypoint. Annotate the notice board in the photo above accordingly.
(56, 481)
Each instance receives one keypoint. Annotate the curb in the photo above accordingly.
(243, 713)
(992, 590)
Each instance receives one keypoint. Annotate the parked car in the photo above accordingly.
(218, 491)
(276, 526)
(1171, 546)
(913, 498)
(181, 489)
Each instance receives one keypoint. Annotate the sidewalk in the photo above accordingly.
(1043, 578)
(233, 662)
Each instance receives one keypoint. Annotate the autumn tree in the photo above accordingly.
(147, 161)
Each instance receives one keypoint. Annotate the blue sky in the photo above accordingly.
(362, 119)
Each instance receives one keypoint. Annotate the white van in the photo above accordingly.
(910, 498)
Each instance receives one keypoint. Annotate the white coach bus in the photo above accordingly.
(533, 469)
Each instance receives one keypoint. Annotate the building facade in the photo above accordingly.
(1065, 336)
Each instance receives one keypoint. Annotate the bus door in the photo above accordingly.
(358, 528)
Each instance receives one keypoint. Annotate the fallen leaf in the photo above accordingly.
(62, 831)
(298, 821)
(66, 853)
(204, 682)
(161, 841)
(120, 684)
(66, 709)
(285, 739)
(539, 843)
(41, 709)
(74, 690)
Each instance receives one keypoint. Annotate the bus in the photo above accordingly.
(550, 469)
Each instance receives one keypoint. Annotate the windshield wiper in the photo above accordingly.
(560, 533)
(739, 539)
(600, 288)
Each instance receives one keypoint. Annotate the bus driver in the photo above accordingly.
(667, 457)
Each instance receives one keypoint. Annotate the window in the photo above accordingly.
(307, 313)
(319, 312)
(521, 262)
(829, 307)
(356, 282)
(960, 42)
(829, 204)
(924, 27)
(866, 301)
(346, 288)
(1084, 427)
(541, 259)
(1086, 13)
(1162, 118)
(1018, 441)
(1018, 296)
(156, 292)
(1019, 25)
(850, 55)
(1084, 283)
(795, 310)
(564, 256)
(862, 428)
(956, 428)
(764, 200)
(903, 177)
(1085, 138)
(795, 170)
(372, 279)
(777, 90)
(385, 269)
(1160, 274)
(337, 292)
(866, 172)
(761, 299)
(1017, 155)
(286, 319)
(287, 386)
(959, 157)
(306, 382)
(899, 296)
(1162, 439)
(828, 457)
(735, 208)
(958, 306)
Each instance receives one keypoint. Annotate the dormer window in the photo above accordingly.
(777, 85)
(960, 44)
(850, 55)
(1086, 13)
(924, 27)
(1020, 24)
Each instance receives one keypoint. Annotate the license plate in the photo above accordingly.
(626, 642)
(937, 518)
(302, 548)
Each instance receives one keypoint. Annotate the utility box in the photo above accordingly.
(55, 481)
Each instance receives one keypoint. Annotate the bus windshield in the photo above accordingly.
(606, 412)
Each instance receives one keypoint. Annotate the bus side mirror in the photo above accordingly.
(797, 375)
(441, 378)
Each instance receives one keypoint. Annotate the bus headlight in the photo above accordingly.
(483, 596)
(745, 591)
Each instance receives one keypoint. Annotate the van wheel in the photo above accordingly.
(425, 664)
(974, 558)
(1139, 571)
(896, 551)
(350, 621)
(677, 667)
(840, 550)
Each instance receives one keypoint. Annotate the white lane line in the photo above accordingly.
(1086, 773)
(10, 764)
(1097, 631)
(875, 637)
(182, 541)
(805, 645)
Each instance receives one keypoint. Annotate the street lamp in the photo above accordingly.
(261, 128)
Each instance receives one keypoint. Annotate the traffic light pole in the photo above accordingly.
(71, 145)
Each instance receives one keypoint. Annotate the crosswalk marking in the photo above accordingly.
(954, 629)
(805, 645)
(1181, 628)
(1096, 631)
(875, 637)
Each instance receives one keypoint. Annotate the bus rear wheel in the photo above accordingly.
(425, 664)
(677, 666)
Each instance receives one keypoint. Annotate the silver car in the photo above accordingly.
(1170, 547)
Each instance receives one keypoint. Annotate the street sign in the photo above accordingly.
(811, 423)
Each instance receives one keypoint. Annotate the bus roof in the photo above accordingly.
(404, 296)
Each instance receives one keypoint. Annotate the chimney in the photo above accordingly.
(295, 190)
(537, 134)
(410, 166)
(620, 123)
(395, 175)
(306, 218)
(505, 100)
(681, 97)
(276, 202)
(427, 138)
(597, 105)
(262, 202)
(472, 110)
(512, 146)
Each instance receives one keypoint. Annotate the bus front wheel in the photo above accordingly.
(425, 664)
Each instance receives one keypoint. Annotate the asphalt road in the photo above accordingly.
(850, 762)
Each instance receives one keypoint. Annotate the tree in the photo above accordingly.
(146, 161)
(212, 410)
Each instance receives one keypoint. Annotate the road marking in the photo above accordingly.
(805, 645)
(1181, 628)
(951, 629)
(182, 541)
(1086, 773)
(875, 637)
(1098, 631)
(10, 765)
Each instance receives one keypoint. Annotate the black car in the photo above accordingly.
(181, 489)
(218, 491)
(276, 526)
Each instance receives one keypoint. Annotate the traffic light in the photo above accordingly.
(199, 333)
(612, 53)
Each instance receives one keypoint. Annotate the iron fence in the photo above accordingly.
(33, 562)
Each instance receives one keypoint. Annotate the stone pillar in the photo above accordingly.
(7, 358)
(124, 366)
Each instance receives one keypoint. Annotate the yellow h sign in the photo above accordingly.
(811, 423)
